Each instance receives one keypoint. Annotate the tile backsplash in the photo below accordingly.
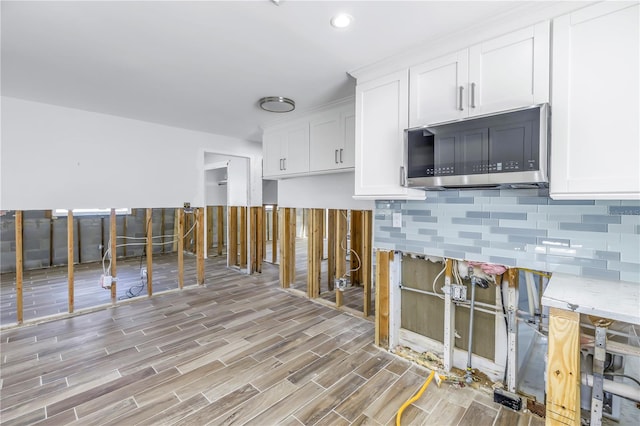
(518, 227)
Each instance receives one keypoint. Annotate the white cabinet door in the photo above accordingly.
(346, 155)
(296, 158)
(595, 140)
(273, 143)
(438, 90)
(509, 72)
(324, 142)
(381, 117)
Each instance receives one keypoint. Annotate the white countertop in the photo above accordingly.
(616, 300)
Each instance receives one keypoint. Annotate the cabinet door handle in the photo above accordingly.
(284, 163)
(403, 177)
(341, 154)
(473, 95)
(460, 90)
(335, 156)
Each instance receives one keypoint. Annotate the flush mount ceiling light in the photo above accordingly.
(277, 104)
(341, 20)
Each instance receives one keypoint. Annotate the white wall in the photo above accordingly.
(216, 195)
(56, 157)
(270, 192)
(331, 191)
(237, 187)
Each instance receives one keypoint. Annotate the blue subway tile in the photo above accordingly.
(606, 255)
(507, 261)
(466, 221)
(518, 231)
(525, 239)
(533, 200)
(417, 212)
(571, 202)
(470, 235)
(624, 210)
(426, 219)
(585, 227)
(427, 232)
(459, 200)
(459, 247)
(555, 242)
(593, 218)
(601, 273)
(509, 216)
(478, 214)
(454, 254)
(490, 222)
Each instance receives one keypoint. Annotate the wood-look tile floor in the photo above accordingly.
(238, 350)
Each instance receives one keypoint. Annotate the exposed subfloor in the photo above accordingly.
(236, 350)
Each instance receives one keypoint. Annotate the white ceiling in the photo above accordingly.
(203, 65)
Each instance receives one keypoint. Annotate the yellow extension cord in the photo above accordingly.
(413, 398)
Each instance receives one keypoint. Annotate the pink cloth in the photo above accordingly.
(490, 268)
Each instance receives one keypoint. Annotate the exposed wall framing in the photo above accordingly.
(287, 237)
(243, 237)
(113, 248)
(314, 252)
(382, 297)
(149, 252)
(256, 238)
(200, 242)
(19, 267)
(69, 264)
(232, 224)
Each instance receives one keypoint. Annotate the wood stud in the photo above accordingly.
(275, 236)
(180, 248)
(341, 250)
(113, 249)
(220, 226)
(243, 237)
(200, 243)
(382, 298)
(149, 252)
(331, 248)
(19, 267)
(314, 252)
(70, 256)
(365, 260)
(563, 368)
(232, 223)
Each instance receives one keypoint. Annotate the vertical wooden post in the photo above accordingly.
(19, 267)
(162, 228)
(356, 246)
(113, 249)
(283, 218)
(382, 298)
(314, 252)
(292, 245)
(274, 235)
(365, 258)
(209, 227)
(512, 331)
(70, 268)
(232, 243)
(260, 240)
(563, 368)
(243, 237)
(265, 227)
(341, 250)
(449, 318)
(124, 232)
(176, 231)
(149, 249)
(200, 243)
(180, 221)
(331, 249)
(220, 226)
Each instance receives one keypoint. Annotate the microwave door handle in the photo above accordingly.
(460, 90)
(403, 177)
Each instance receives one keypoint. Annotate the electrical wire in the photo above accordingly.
(342, 246)
(414, 398)
(433, 284)
(626, 376)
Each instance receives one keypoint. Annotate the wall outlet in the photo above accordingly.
(397, 220)
(105, 281)
(143, 273)
(459, 292)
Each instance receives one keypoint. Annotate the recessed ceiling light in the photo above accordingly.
(277, 104)
(341, 20)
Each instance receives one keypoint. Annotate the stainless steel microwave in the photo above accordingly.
(500, 150)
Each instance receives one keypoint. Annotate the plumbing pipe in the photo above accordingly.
(468, 377)
(617, 388)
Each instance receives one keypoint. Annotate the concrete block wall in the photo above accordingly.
(524, 228)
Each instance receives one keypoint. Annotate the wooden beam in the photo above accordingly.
(124, 232)
(260, 234)
(365, 258)
(356, 245)
(341, 250)
(19, 267)
(382, 298)
(283, 219)
(449, 319)
(512, 329)
(331, 249)
(162, 228)
(177, 232)
(200, 243)
(149, 249)
(314, 252)
(70, 269)
(180, 247)
(563, 368)
(274, 234)
(291, 243)
(112, 241)
(243, 237)
(232, 224)
(209, 227)
(48, 214)
(265, 228)
(220, 226)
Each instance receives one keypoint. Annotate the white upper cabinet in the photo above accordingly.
(320, 142)
(504, 73)
(381, 117)
(286, 151)
(595, 140)
(331, 140)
